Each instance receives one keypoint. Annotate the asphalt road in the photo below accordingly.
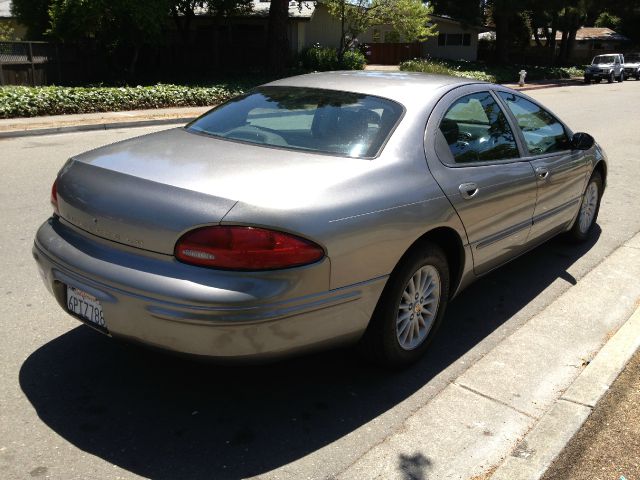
(77, 405)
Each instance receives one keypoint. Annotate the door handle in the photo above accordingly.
(542, 173)
(468, 190)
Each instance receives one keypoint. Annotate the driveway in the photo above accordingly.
(77, 405)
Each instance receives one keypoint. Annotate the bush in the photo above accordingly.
(490, 73)
(322, 59)
(353, 60)
(443, 68)
(35, 101)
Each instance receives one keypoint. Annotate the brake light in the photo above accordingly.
(245, 248)
(54, 197)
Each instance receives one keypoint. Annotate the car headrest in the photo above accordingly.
(450, 130)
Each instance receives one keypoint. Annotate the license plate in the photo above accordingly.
(85, 306)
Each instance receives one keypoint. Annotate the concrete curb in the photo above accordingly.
(541, 446)
(95, 126)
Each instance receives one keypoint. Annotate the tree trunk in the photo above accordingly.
(563, 46)
(552, 39)
(277, 39)
(571, 40)
(134, 61)
(502, 38)
(536, 37)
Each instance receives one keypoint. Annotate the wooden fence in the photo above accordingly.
(29, 63)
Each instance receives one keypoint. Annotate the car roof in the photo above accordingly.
(403, 87)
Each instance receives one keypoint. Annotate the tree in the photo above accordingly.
(7, 32)
(469, 12)
(33, 14)
(277, 39)
(408, 19)
(607, 20)
(112, 23)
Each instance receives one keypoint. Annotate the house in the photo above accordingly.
(7, 19)
(310, 23)
(592, 41)
(454, 40)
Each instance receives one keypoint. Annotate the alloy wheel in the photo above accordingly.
(588, 207)
(418, 307)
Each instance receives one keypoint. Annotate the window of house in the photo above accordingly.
(391, 37)
(454, 39)
(376, 35)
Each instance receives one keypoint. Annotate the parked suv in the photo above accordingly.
(610, 66)
(632, 66)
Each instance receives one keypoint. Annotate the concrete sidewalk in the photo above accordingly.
(18, 127)
(539, 84)
(511, 413)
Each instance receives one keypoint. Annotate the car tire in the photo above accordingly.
(611, 78)
(621, 77)
(587, 80)
(401, 328)
(589, 207)
(599, 80)
(638, 76)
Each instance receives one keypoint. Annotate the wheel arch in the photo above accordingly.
(449, 240)
(601, 168)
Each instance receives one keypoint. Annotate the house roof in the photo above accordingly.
(595, 33)
(447, 19)
(5, 9)
(302, 10)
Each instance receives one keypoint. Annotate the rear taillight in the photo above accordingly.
(245, 248)
(54, 197)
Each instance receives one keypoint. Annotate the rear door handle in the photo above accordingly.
(542, 173)
(468, 190)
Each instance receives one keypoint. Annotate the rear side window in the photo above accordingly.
(326, 121)
(476, 130)
(542, 132)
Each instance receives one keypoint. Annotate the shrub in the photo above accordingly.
(353, 60)
(322, 59)
(490, 73)
(35, 101)
(441, 67)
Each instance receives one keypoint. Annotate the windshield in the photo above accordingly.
(326, 121)
(604, 59)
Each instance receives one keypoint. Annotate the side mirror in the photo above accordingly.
(582, 141)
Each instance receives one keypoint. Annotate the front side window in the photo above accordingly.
(316, 120)
(542, 132)
(476, 130)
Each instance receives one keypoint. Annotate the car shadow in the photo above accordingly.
(164, 417)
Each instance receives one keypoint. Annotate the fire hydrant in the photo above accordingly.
(523, 73)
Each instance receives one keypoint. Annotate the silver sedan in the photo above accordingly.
(317, 210)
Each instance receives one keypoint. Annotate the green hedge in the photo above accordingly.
(444, 68)
(489, 73)
(36, 101)
(322, 59)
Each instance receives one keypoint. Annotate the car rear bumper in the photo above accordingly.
(158, 301)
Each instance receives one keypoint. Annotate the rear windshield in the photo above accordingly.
(311, 119)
